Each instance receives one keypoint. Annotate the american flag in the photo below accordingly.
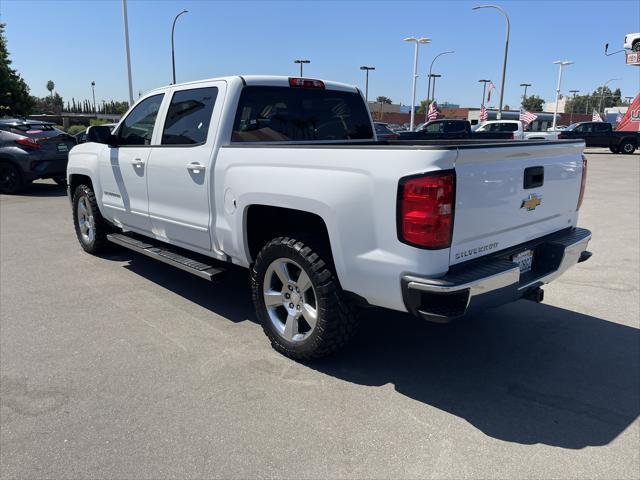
(527, 117)
(491, 87)
(619, 117)
(596, 117)
(433, 111)
(484, 115)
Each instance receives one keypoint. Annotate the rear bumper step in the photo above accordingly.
(165, 253)
(494, 280)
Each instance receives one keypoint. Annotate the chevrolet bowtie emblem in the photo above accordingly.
(531, 202)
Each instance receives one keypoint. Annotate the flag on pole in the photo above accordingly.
(596, 117)
(527, 117)
(619, 117)
(433, 111)
(484, 115)
(491, 87)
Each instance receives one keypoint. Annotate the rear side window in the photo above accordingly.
(600, 127)
(137, 128)
(268, 114)
(508, 127)
(452, 127)
(189, 116)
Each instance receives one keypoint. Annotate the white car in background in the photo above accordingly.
(632, 42)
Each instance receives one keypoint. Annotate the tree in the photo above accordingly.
(50, 87)
(590, 102)
(533, 103)
(14, 92)
(383, 99)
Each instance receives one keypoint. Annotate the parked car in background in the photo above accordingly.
(383, 132)
(632, 42)
(516, 127)
(394, 127)
(451, 129)
(81, 137)
(284, 176)
(30, 150)
(601, 134)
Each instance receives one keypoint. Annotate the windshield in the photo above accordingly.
(572, 126)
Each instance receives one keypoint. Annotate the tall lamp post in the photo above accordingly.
(366, 82)
(301, 62)
(524, 96)
(602, 93)
(562, 64)
(173, 54)
(573, 101)
(506, 52)
(433, 90)
(430, 69)
(126, 48)
(484, 88)
(417, 42)
(93, 91)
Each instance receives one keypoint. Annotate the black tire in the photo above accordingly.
(11, 180)
(336, 316)
(614, 150)
(62, 181)
(97, 242)
(627, 147)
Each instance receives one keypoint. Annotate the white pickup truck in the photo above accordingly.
(285, 176)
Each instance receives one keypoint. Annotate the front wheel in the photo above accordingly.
(91, 228)
(628, 148)
(11, 180)
(299, 302)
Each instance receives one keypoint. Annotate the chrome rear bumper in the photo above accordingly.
(494, 280)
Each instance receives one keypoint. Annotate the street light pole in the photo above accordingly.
(434, 76)
(301, 62)
(506, 52)
(524, 97)
(126, 49)
(561, 63)
(573, 101)
(366, 82)
(602, 93)
(430, 69)
(417, 42)
(93, 90)
(173, 54)
(484, 88)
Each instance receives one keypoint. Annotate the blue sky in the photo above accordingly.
(75, 42)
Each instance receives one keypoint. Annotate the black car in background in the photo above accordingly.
(452, 129)
(30, 150)
(601, 134)
(383, 132)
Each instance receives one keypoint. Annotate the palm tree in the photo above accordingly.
(50, 87)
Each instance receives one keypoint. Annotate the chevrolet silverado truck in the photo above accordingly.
(285, 176)
(601, 134)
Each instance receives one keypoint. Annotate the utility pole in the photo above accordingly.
(417, 42)
(93, 90)
(524, 96)
(126, 49)
(484, 88)
(173, 54)
(562, 64)
(573, 101)
(301, 62)
(366, 82)
(429, 97)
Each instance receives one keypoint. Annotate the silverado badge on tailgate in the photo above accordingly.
(531, 202)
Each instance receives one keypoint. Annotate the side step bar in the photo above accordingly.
(164, 254)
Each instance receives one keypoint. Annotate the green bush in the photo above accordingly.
(73, 129)
(98, 121)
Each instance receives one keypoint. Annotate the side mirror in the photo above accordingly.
(101, 134)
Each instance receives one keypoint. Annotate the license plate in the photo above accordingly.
(63, 147)
(524, 260)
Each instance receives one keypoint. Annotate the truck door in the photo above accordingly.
(601, 135)
(123, 169)
(180, 167)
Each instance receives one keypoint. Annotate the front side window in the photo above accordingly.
(585, 127)
(434, 127)
(137, 128)
(601, 127)
(189, 116)
(268, 114)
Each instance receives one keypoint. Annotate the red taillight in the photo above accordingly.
(29, 143)
(305, 82)
(583, 182)
(426, 210)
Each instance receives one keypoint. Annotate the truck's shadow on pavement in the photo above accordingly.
(525, 373)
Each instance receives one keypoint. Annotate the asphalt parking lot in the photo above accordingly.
(118, 367)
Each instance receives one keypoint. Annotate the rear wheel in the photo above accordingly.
(11, 180)
(628, 147)
(614, 149)
(91, 228)
(299, 301)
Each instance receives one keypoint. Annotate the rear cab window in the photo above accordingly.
(276, 114)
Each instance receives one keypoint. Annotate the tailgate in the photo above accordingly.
(502, 201)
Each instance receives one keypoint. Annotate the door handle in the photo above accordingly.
(137, 162)
(195, 167)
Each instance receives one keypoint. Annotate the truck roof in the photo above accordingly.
(266, 80)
